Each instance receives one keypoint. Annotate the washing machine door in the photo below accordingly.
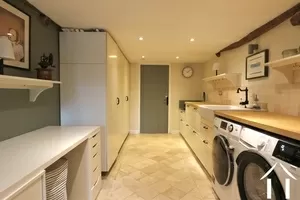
(251, 168)
(223, 164)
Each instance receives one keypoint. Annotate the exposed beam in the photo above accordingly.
(263, 29)
(295, 20)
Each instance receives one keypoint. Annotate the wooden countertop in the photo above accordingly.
(285, 125)
(34, 151)
(197, 104)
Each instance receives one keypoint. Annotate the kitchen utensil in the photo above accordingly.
(289, 52)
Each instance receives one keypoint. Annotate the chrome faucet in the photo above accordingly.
(246, 102)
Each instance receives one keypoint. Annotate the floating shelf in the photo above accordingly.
(222, 81)
(287, 66)
(35, 86)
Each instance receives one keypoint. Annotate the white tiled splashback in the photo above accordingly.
(274, 90)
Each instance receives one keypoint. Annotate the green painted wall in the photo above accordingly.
(17, 114)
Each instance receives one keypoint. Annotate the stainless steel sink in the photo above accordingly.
(207, 111)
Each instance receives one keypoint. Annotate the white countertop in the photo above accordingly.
(34, 151)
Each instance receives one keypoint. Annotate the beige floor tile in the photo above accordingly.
(174, 193)
(137, 175)
(185, 185)
(190, 197)
(161, 197)
(148, 180)
(151, 168)
(147, 193)
(132, 183)
(134, 197)
(121, 193)
(156, 167)
(161, 186)
(159, 174)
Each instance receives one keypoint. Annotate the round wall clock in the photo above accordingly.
(187, 72)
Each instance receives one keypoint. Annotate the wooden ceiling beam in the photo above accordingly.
(294, 11)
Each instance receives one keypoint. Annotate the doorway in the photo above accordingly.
(154, 98)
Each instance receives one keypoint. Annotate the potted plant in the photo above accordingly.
(45, 71)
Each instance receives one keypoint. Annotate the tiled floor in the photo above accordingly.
(156, 167)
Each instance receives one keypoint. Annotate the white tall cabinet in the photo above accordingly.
(95, 74)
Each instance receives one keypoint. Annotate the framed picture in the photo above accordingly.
(255, 65)
(16, 24)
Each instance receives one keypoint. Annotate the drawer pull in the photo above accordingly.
(95, 145)
(205, 127)
(95, 135)
(205, 142)
(195, 108)
(186, 125)
(96, 182)
(95, 155)
(95, 169)
(194, 131)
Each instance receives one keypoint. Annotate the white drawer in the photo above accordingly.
(95, 161)
(95, 140)
(95, 176)
(96, 188)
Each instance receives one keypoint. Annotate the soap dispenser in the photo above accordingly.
(256, 105)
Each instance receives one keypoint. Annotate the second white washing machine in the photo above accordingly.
(268, 166)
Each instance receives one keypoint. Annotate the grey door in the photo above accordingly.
(154, 98)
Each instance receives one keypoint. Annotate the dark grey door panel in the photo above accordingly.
(154, 98)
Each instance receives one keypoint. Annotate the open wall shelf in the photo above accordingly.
(35, 86)
(287, 66)
(223, 81)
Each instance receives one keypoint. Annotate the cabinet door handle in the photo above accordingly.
(195, 108)
(186, 125)
(205, 127)
(194, 131)
(181, 120)
(205, 142)
(126, 98)
(187, 106)
(118, 100)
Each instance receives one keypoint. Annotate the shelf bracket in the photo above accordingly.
(288, 73)
(34, 93)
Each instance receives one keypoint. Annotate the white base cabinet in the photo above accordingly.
(96, 88)
(199, 135)
(32, 189)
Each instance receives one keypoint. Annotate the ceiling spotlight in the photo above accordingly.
(192, 39)
(143, 57)
(177, 57)
(9, 34)
(141, 38)
(113, 56)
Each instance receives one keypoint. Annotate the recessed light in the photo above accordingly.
(177, 57)
(141, 38)
(9, 34)
(143, 57)
(192, 39)
(113, 56)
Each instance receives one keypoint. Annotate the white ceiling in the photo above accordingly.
(167, 25)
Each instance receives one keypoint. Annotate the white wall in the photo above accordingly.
(274, 90)
(179, 88)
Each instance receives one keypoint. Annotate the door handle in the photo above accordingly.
(166, 100)
(126, 98)
(118, 100)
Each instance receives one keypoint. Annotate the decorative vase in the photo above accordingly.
(45, 74)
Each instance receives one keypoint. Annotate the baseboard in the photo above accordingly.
(175, 132)
(134, 131)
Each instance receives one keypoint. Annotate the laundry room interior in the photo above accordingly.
(149, 100)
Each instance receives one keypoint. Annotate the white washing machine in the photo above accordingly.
(224, 165)
(267, 165)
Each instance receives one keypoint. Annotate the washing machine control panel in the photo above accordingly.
(227, 127)
(287, 152)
